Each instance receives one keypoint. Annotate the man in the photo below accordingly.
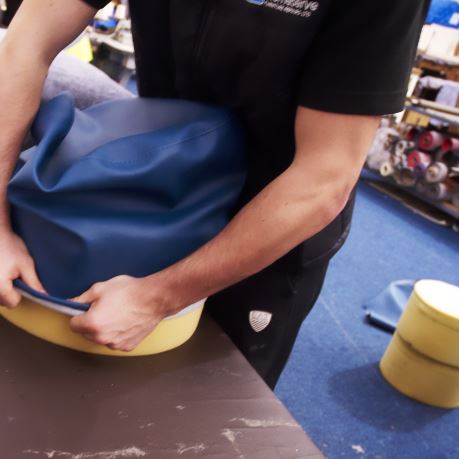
(309, 81)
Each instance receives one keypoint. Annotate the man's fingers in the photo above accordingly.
(83, 298)
(29, 276)
(87, 329)
(83, 324)
(89, 296)
(126, 345)
(9, 297)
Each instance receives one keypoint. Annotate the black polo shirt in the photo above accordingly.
(263, 58)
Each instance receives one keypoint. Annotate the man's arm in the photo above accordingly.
(38, 32)
(330, 152)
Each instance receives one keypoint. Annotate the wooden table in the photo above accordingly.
(201, 400)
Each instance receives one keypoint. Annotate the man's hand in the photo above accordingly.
(124, 310)
(16, 262)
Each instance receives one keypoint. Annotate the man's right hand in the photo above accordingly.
(16, 262)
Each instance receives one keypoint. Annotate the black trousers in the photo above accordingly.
(263, 314)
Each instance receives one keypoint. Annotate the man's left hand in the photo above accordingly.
(123, 312)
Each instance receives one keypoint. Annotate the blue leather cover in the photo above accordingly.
(124, 187)
(385, 310)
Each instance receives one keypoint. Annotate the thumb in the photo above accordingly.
(87, 297)
(9, 297)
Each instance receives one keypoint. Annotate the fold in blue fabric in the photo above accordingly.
(384, 310)
(125, 187)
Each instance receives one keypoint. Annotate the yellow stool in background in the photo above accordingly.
(81, 49)
(422, 360)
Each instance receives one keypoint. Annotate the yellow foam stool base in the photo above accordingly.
(430, 322)
(54, 327)
(419, 377)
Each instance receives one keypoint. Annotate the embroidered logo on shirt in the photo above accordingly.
(259, 320)
(303, 8)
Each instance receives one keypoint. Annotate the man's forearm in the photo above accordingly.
(291, 209)
(20, 96)
(30, 45)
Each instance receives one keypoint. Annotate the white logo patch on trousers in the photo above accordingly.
(303, 8)
(259, 320)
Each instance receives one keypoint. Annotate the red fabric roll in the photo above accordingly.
(450, 144)
(430, 140)
(418, 158)
(412, 134)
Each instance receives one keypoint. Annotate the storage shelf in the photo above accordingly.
(445, 207)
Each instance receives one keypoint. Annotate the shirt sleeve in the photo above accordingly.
(99, 4)
(361, 59)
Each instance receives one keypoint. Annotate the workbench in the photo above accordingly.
(202, 400)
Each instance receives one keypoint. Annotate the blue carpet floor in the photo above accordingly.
(332, 384)
(441, 12)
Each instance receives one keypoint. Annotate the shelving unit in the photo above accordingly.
(428, 111)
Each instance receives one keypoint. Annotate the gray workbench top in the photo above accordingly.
(202, 400)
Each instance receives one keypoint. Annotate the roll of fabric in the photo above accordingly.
(398, 160)
(421, 187)
(420, 170)
(380, 150)
(439, 191)
(430, 140)
(437, 172)
(405, 177)
(386, 169)
(419, 162)
(402, 146)
(450, 144)
(412, 134)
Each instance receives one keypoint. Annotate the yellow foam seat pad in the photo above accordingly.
(54, 327)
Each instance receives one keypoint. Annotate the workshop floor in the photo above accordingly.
(332, 384)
